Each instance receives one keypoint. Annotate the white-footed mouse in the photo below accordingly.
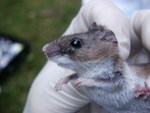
(107, 79)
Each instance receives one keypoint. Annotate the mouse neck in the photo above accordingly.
(111, 63)
(104, 68)
(112, 66)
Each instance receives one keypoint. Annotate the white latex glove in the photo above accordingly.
(42, 97)
(141, 26)
(140, 37)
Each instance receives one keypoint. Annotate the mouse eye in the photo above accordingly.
(76, 43)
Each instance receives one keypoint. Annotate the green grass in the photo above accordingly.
(38, 21)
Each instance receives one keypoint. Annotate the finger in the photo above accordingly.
(141, 26)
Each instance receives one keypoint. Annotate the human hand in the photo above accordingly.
(42, 96)
(139, 33)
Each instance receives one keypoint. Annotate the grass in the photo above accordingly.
(38, 21)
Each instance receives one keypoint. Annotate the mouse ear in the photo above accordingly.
(93, 26)
(109, 36)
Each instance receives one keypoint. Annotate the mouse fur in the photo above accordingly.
(99, 71)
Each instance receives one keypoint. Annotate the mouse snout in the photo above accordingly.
(44, 49)
(51, 49)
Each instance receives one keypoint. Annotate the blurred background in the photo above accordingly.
(38, 22)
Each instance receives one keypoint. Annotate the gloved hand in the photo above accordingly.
(139, 34)
(141, 25)
(42, 97)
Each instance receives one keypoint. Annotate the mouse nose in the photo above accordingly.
(51, 49)
(44, 49)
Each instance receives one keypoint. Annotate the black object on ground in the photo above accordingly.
(13, 52)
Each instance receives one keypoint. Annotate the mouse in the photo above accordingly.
(108, 80)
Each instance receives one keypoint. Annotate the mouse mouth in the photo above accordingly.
(51, 55)
(63, 61)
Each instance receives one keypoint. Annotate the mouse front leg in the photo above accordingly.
(65, 80)
(143, 92)
(85, 82)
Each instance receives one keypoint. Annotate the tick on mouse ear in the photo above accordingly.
(71, 50)
(76, 43)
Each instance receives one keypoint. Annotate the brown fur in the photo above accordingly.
(142, 69)
(93, 44)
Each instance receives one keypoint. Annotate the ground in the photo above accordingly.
(38, 21)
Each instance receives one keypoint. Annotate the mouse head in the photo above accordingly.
(95, 44)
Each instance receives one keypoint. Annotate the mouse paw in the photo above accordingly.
(142, 91)
(81, 82)
(61, 82)
(65, 80)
